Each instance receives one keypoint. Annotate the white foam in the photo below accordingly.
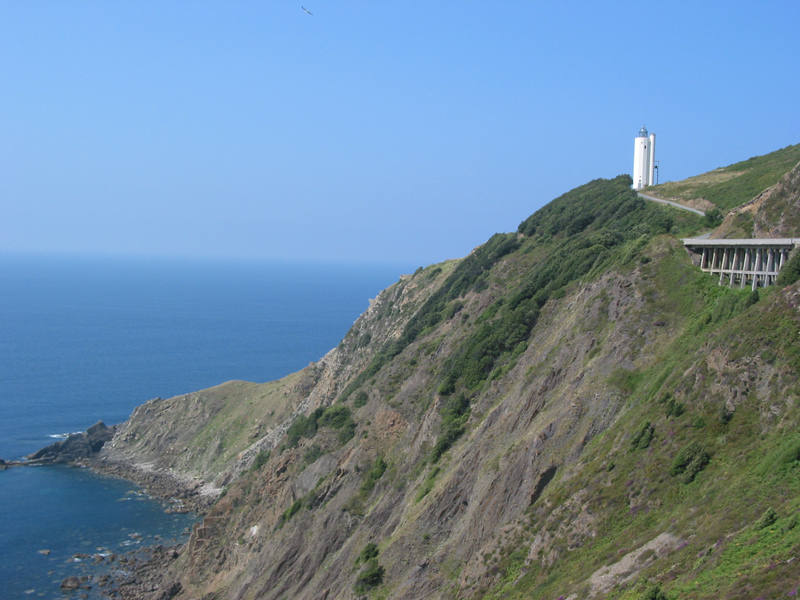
(63, 436)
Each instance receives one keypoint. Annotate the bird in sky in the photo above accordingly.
(305, 10)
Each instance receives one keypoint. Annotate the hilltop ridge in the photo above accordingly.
(573, 410)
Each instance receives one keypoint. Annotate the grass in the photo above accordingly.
(731, 186)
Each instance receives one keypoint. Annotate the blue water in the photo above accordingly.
(83, 340)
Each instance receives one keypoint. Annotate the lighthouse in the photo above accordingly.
(644, 159)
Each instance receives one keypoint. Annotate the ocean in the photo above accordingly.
(88, 339)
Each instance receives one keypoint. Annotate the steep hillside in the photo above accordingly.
(728, 187)
(775, 212)
(571, 411)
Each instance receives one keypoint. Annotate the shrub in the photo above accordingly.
(290, 512)
(643, 437)
(455, 413)
(768, 518)
(260, 460)
(336, 417)
(302, 426)
(790, 271)
(360, 399)
(689, 462)
(312, 454)
(675, 408)
(654, 593)
(372, 476)
(369, 552)
(371, 576)
(712, 218)
(427, 484)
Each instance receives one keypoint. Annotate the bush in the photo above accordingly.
(768, 518)
(260, 460)
(654, 593)
(455, 413)
(643, 437)
(689, 462)
(336, 417)
(712, 218)
(371, 576)
(375, 472)
(790, 271)
(427, 484)
(369, 552)
(675, 408)
(360, 399)
(302, 426)
(290, 512)
(312, 454)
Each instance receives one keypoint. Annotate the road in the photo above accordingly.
(675, 204)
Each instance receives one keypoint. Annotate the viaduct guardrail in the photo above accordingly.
(753, 262)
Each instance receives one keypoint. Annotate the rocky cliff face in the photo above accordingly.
(773, 213)
(571, 411)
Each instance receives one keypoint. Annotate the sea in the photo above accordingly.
(89, 339)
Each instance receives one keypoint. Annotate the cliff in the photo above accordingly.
(572, 410)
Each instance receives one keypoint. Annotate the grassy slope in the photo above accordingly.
(731, 186)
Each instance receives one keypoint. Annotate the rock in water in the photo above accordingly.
(71, 583)
(76, 446)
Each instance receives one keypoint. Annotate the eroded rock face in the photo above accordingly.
(76, 447)
(774, 213)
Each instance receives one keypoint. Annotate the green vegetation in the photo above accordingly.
(369, 552)
(427, 484)
(372, 574)
(654, 593)
(469, 274)
(360, 399)
(336, 417)
(585, 231)
(768, 518)
(790, 272)
(261, 459)
(736, 184)
(674, 408)
(312, 454)
(580, 234)
(643, 437)
(713, 218)
(455, 413)
(372, 476)
(293, 509)
(689, 462)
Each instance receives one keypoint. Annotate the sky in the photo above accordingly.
(369, 131)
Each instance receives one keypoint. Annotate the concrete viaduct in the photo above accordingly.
(753, 262)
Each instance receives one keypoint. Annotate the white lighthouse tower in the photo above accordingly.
(644, 159)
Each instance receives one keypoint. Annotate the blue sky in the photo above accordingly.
(371, 131)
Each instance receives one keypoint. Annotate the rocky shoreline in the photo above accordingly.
(181, 493)
(137, 574)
